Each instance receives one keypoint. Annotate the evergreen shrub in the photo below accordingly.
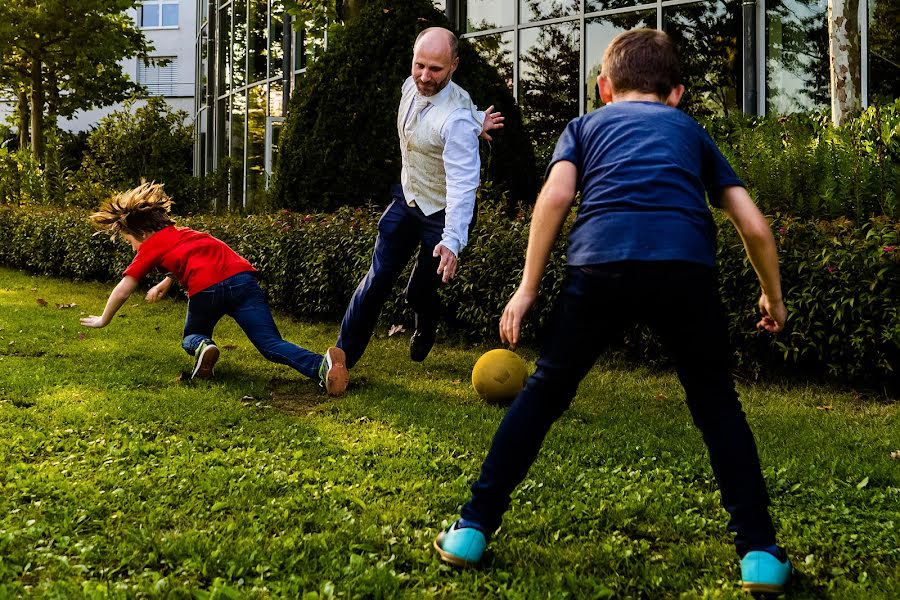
(841, 280)
(339, 145)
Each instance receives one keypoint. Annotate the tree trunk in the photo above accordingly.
(37, 111)
(22, 116)
(844, 57)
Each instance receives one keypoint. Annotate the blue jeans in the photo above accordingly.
(240, 297)
(680, 301)
(402, 230)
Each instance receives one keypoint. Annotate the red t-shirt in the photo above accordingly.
(198, 260)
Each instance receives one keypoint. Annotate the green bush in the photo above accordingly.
(150, 142)
(21, 179)
(800, 164)
(339, 145)
(840, 280)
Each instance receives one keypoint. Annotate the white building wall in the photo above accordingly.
(175, 42)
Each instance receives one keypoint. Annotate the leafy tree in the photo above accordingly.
(64, 54)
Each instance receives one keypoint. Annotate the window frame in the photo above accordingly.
(159, 4)
(154, 88)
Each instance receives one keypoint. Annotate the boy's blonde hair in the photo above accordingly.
(138, 212)
(642, 60)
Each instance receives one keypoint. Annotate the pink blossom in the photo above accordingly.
(782, 230)
(830, 269)
(888, 249)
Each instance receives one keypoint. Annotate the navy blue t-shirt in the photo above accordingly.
(644, 169)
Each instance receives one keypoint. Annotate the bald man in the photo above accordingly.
(432, 206)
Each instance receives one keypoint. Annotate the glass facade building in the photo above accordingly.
(754, 56)
(248, 59)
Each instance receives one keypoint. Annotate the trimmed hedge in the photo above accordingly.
(841, 281)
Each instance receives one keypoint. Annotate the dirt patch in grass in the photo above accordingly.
(292, 397)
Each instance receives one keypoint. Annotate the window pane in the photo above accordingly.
(594, 5)
(548, 82)
(224, 57)
(276, 40)
(599, 32)
(150, 15)
(797, 76)
(258, 40)
(537, 10)
(239, 43)
(203, 67)
(497, 49)
(884, 51)
(170, 15)
(488, 14)
(707, 35)
(276, 99)
(238, 112)
(276, 138)
(256, 143)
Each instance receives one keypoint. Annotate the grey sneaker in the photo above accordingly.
(207, 354)
(333, 375)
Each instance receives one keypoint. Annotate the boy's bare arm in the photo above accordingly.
(117, 298)
(550, 212)
(753, 227)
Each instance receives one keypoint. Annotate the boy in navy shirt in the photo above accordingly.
(642, 248)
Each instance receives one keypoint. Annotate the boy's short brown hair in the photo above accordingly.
(642, 60)
(138, 212)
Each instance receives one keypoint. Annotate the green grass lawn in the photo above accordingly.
(117, 478)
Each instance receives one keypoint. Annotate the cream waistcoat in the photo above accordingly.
(423, 176)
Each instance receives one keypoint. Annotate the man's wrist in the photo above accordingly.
(452, 246)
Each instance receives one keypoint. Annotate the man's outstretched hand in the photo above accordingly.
(492, 120)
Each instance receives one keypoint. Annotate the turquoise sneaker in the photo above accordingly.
(207, 354)
(460, 546)
(761, 572)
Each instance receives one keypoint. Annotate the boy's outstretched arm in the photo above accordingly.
(117, 298)
(550, 212)
(753, 227)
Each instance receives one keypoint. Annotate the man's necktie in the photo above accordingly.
(419, 105)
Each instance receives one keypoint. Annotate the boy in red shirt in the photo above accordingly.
(218, 281)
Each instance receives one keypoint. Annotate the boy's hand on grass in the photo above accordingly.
(93, 321)
(774, 314)
(513, 314)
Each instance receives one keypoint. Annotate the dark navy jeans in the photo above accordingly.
(680, 301)
(402, 231)
(242, 299)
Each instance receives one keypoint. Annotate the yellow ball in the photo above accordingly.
(498, 376)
